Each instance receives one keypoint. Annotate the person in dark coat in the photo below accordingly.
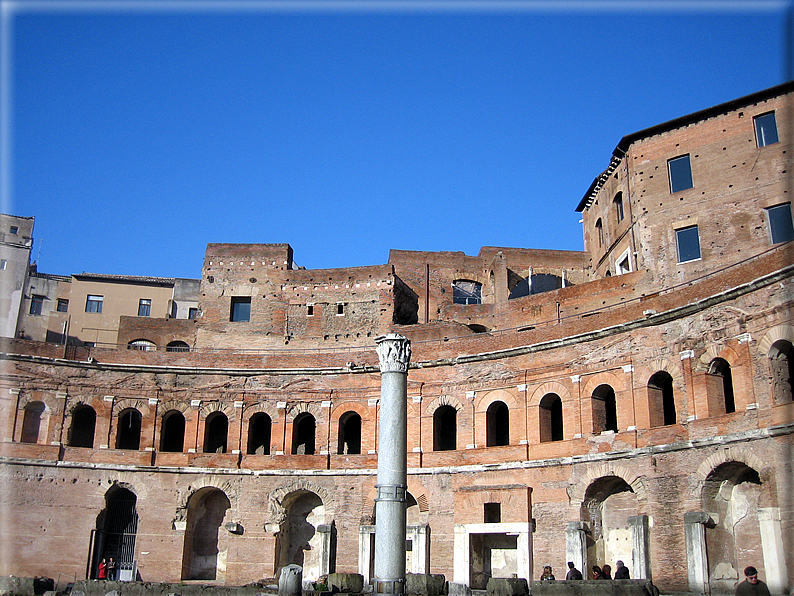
(598, 573)
(752, 586)
(573, 573)
(607, 570)
(622, 572)
(111, 569)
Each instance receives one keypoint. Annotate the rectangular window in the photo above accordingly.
(310, 310)
(36, 304)
(192, 313)
(93, 303)
(765, 129)
(780, 224)
(14, 230)
(241, 309)
(688, 244)
(680, 172)
(340, 308)
(492, 513)
(144, 307)
(63, 305)
(3, 264)
(624, 263)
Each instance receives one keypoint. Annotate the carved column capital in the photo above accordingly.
(394, 352)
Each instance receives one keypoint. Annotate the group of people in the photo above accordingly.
(107, 569)
(605, 572)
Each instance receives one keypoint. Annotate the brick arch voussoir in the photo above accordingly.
(715, 351)
(28, 397)
(217, 406)
(227, 486)
(734, 453)
(349, 406)
(261, 407)
(488, 397)
(443, 400)
(578, 488)
(549, 387)
(131, 403)
(644, 374)
(415, 488)
(303, 407)
(171, 405)
(277, 513)
(776, 333)
(604, 378)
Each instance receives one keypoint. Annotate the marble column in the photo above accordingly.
(774, 550)
(640, 551)
(695, 523)
(576, 546)
(394, 353)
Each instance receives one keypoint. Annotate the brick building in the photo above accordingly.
(632, 401)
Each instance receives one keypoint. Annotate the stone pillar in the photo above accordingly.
(420, 539)
(327, 546)
(773, 549)
(576, 546)
(365, 547)
(695, 523)
(394, 352)
(640, 547)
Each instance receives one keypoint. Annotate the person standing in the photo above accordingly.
(111, 569)
(607, 571)
(102, 571)
(573, 573)
(598, 573)
(752, 586)
(622, 572)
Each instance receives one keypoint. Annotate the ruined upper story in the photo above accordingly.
(688, 197)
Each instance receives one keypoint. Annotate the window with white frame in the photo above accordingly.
(144, 307)
(93, 303)
(680, 171)
(623, 264)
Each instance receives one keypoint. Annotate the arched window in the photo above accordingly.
(599, 227)
(617, 202)
(303, 429)
(349, 434)
(497, 425)
(81, 433)
(661, 401)
(259, 434)
(605, 414)
(177, 346)
(466, 291)
(216, 429)
(172, 435)
(781, 361)
(445, 431)
(128, 434)
(551, 418)
(31, 422)
(142, 344)
(720, 386)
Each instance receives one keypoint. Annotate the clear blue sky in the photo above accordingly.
(138, 132)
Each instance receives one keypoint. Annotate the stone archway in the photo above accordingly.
(304, 538)
(205, 547)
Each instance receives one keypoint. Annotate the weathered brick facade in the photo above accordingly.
(580, 414)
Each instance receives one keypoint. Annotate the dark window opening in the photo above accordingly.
(259, 428)
(81, 433)
(465, 291)
(445, 431)
(340, 308)
(766, 129)
(128, 433)
(551, 427)
(618, 203)
(349, 434)
(497, 425)
(721, 384)
(36, 304)
(117, 526)
(687, 244)
(605, 417)
(172, 437)
(599, 226)
(93, 303)
(781, 228)
(216, 430)
(177, 346)
(492, 513)
(241, 309)
(310, 310)
(63, 305)
(303, 429)
(680, 171)
(31, 422)
(192, 313)
(661, 401)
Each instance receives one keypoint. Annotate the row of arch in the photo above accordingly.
(662, 411)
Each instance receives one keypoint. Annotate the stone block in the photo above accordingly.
(425, 584)
(621, 587)
(345, 582)
(507, 586)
